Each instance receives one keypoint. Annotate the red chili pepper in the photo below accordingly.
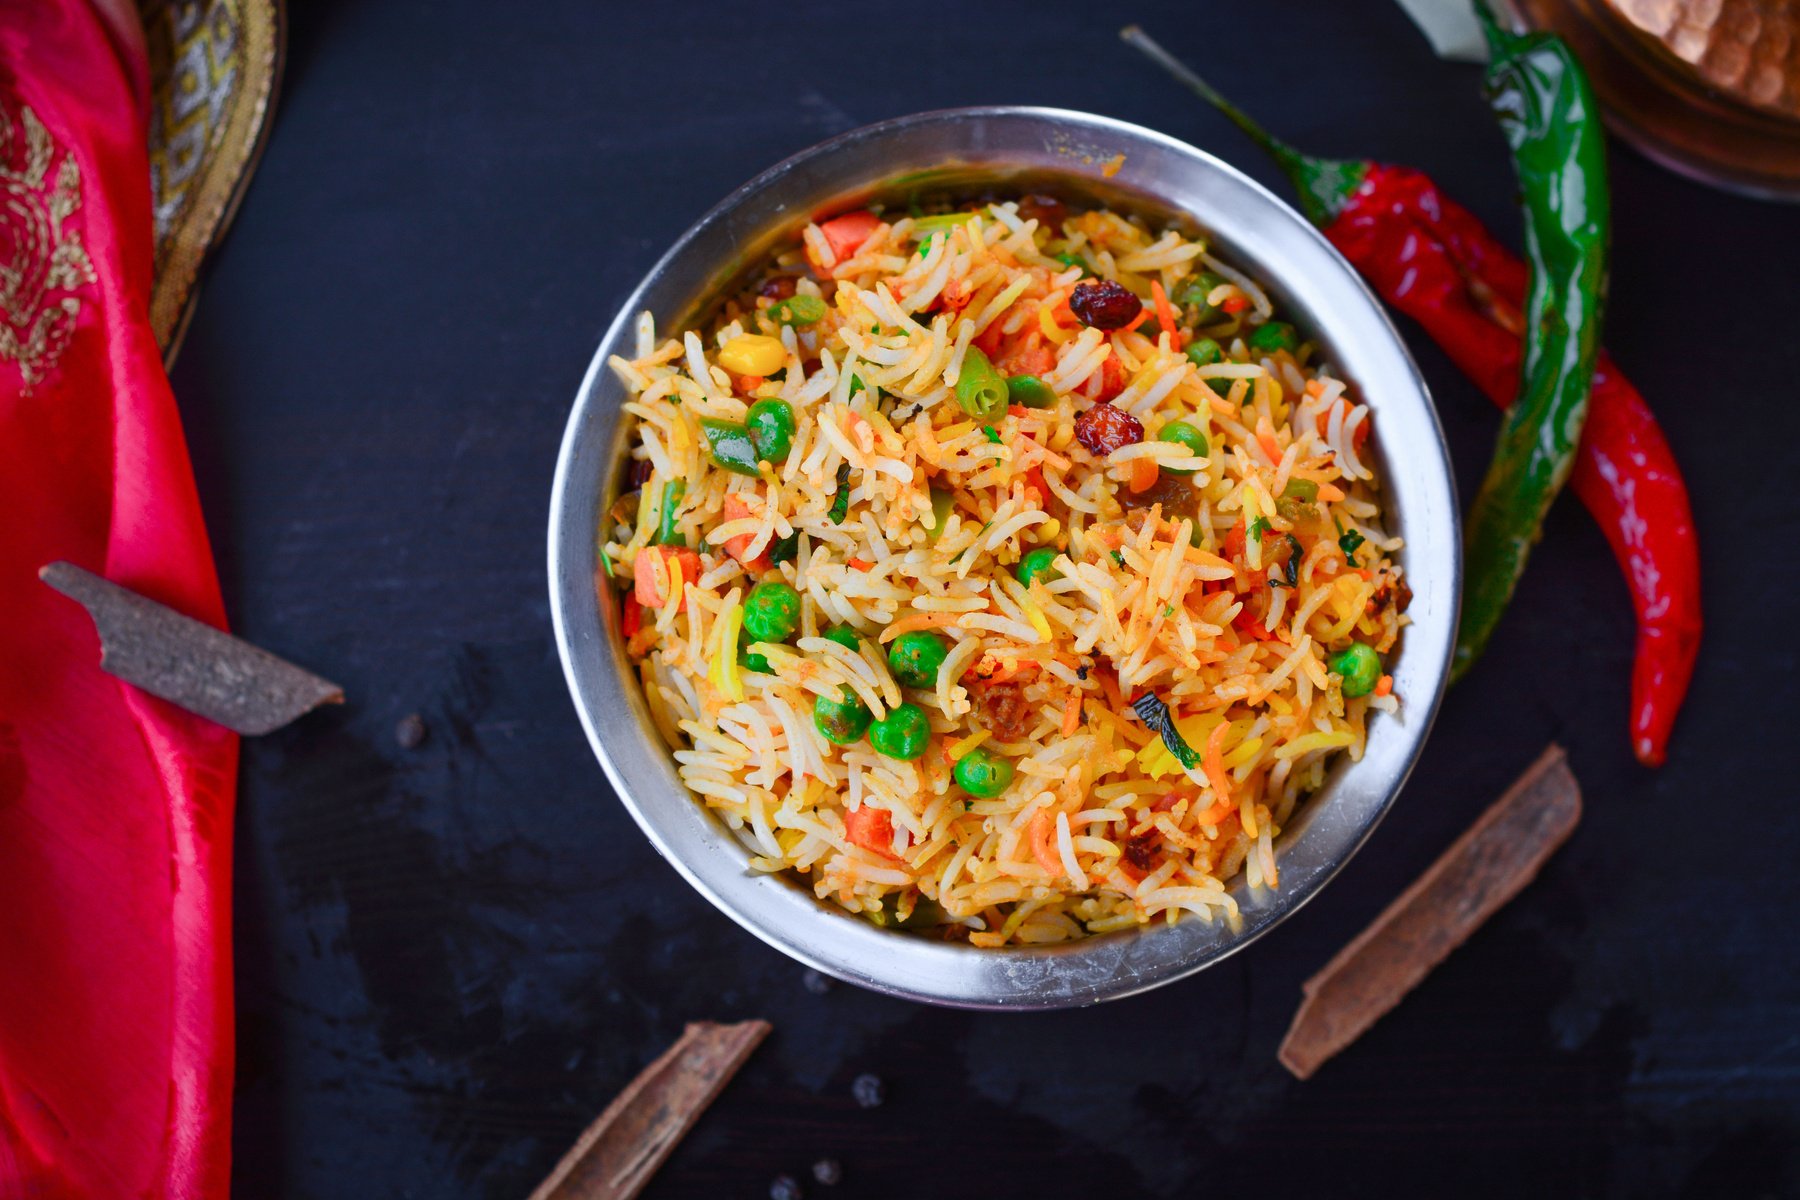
(1432, 259)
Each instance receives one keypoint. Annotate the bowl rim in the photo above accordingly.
(1011, 978)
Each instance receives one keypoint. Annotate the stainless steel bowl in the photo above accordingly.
(1254, 230)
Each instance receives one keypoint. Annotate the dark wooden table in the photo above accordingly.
(450, 957)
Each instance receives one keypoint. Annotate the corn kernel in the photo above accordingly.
(753, 354)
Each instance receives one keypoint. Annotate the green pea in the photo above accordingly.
(1036, 565)
(1195, 294)
(751, 661)
(903, 733)
(1359, 667)
(846, 637)
(915, 658)
(1204, 352)
(1029, 391)
(798, 310)
(984, 774)
(1276, 335)
(1187, 435)
(771, 426)
(771, 612)
(841, 722)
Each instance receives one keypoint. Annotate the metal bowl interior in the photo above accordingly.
(1004, 147)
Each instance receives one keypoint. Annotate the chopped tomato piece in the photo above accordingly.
(652, 569)
(871, 828)
(847, 233)
(1235, 304)
(737, 507)
(631, 615)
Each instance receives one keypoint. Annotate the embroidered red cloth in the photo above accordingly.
(115, 807)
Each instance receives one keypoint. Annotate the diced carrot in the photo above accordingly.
(1266, 439)
(651, 569)
(1041, 833)
(1384, 685)
(1234, 540)
(1218, 811)
(1144, 474)
(1071, 722)
(988, 341)
(748, 384)
(871, 828)
(1143, 315)
(736, 509)
(1235, 304)
(1213, 761)
(847, 233)
(1165, 313)
(859, 564)
(1112, 378)
(1034, 482)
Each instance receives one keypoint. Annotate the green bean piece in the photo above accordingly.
(980, 390)
(942, 503)
(798, 310)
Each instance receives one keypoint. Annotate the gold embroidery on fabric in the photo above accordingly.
(42, 262)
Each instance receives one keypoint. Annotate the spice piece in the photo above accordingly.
(616, 1156)
(410, 731)
(188, 662)
(1486, 867)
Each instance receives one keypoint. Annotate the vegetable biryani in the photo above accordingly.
(1011, 573)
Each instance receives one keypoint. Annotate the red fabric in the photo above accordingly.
(115, 808)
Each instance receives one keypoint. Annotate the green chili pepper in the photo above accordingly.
(666, 533)
(731, 445)
(798, 310)
(992, 434)
(1030, 391)
(942, 503)
(840, 504)
(1549, 116)
(1296, 502)
(980, 390)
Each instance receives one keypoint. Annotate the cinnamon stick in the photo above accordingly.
(616, 1156)
(1486, 867)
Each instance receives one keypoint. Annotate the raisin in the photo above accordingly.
(1175, 493)
(1105, 428)
(1403, 596)
(777, 287)
(1104, 304)
(1144, 850)
(640, 472)
(1047, 211)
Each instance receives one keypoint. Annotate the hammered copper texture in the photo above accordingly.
(1747, 49)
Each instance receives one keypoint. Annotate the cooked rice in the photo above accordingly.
(1101, 828)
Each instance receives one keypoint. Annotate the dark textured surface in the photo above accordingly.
(451, 956)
